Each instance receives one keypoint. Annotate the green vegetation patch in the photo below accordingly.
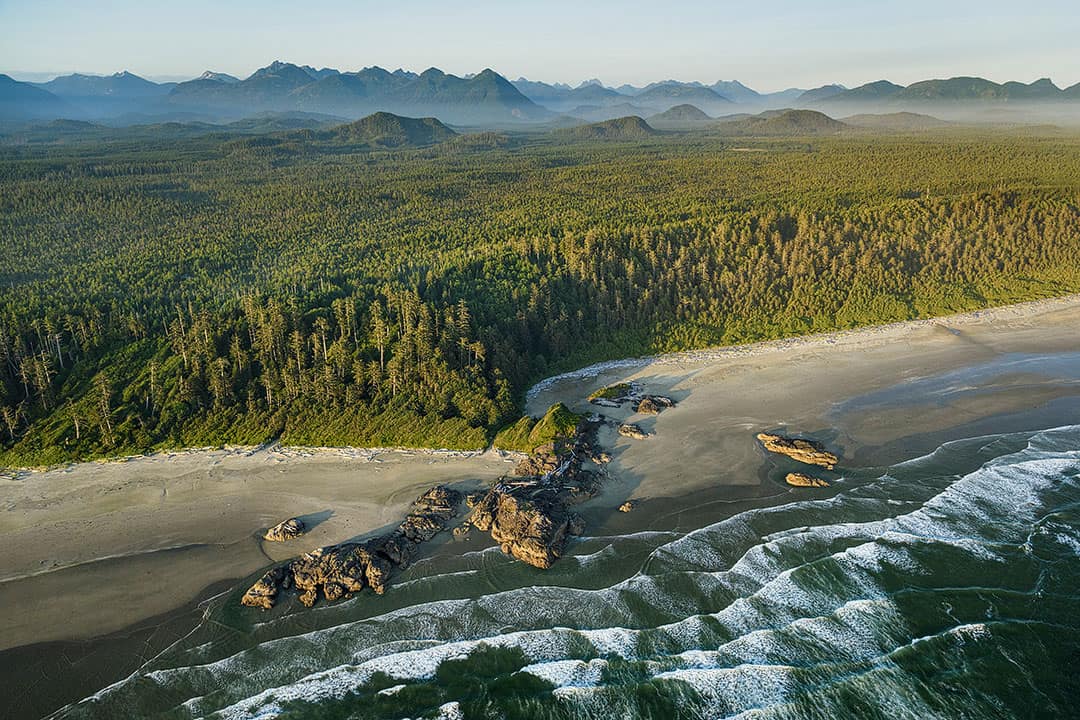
(527, 434)
(611, 392)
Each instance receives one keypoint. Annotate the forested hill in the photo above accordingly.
(624, 128)
(171, 294)
(384, 129)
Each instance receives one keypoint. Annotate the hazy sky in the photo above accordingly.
(768, 45)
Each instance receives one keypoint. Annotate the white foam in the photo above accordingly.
(568, 673)
(450, 711)
(737, 689)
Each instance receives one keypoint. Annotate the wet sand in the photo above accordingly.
(95, 547)
(100, 548)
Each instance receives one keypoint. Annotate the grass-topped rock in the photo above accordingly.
(612, 393)
(528, 434)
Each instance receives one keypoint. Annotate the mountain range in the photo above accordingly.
(487, 98)
(954, 90)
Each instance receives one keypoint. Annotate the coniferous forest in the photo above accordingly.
(160, 292)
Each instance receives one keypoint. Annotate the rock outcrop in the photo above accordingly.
(265, 590)
(341, 570)
(632, 431)
(627, 506)
(618, 395)
(530, 514)
(810, 452)
(805, 481)
(531, 527)
(543, 461)
(286, 530)
(654, 404)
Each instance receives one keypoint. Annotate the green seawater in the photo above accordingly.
(945, 586)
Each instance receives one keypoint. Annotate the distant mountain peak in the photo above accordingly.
(218, 77)
(276, 66)
(320, 73)
(1045, 82)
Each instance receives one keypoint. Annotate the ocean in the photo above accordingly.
(944, 586)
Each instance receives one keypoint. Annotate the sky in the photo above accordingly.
(767, 45)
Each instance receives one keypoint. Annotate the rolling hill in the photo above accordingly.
(786, 123)
(625, 128)
(895, 121)
(979, 89)
(387, 130)
(680, 117)
(870, 92)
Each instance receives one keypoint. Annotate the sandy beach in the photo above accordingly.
(94, 548)
(869, 393)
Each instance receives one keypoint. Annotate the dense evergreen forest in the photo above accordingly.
(203, 291)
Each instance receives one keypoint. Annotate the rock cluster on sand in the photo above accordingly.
(805, 451)
(654, 404)
(632, 431)
(340, 570)
(530, 514)
(618, 395)
(286, 530)
(802, 480)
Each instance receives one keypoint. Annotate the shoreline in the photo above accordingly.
(99, 547)
(716, 352)
(722, 352)
(367, 454)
